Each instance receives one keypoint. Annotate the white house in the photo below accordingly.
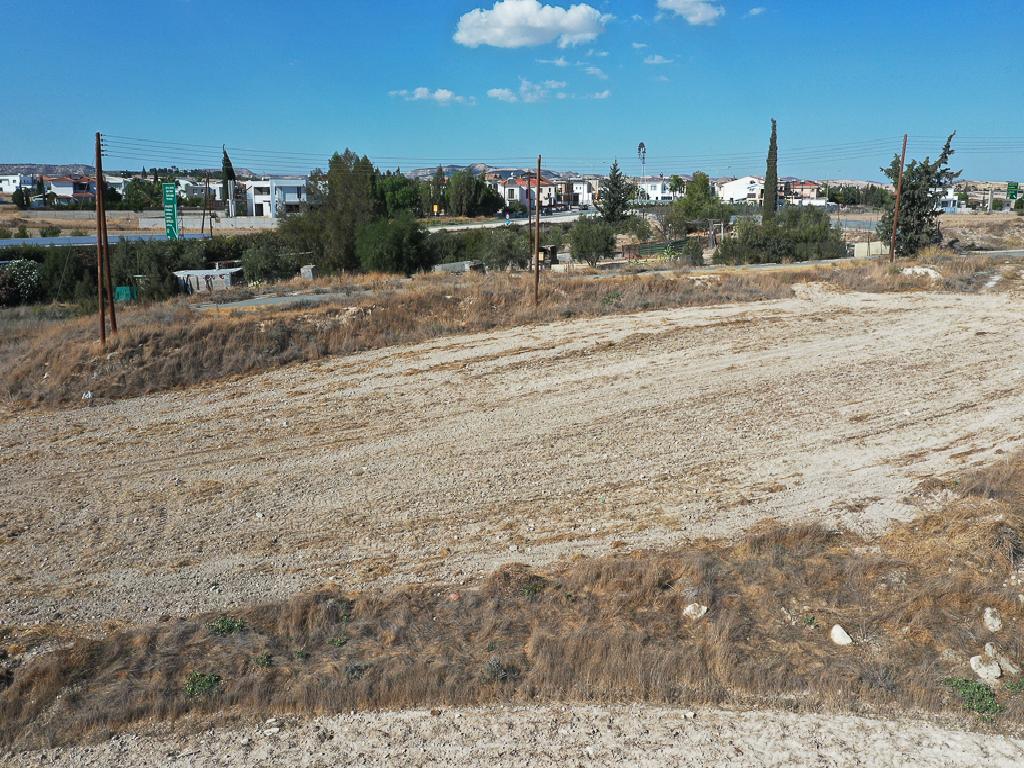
(748, 189)
(524, 192)
(656, 190)
(273, 197)
(9, 183)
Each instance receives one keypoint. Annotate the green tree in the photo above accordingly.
(468, 195)
(351, 202)
(399, 193)
(771, 177)
(616, 195)
(269, 260)
(438, 187)
(20, 198)
(591, 239)
(676, 185)
(394, 245)
(923, 185)
(504, 247)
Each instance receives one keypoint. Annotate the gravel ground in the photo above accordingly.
(445, 459)
(564, 737)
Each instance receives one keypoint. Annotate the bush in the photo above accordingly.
(20, 283)
(693, 251)
(22, 231)
(5, 233)
(199, 684)
(50, 231)
(394, 245)
(976, 697)
(268, 260)
(638, 227)
(796, 234)
(592, 239)
(227, 625)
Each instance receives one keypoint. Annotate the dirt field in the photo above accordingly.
(556, 736)
(451, 457)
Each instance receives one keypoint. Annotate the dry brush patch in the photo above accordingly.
(168, 345)
(611, 629)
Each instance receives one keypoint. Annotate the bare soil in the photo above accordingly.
(447, 459)
(554, 736)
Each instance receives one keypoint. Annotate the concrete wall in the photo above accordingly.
(192, 223)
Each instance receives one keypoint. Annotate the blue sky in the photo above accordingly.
(415, 83)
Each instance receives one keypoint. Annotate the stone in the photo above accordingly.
(986, 668)
(992, 620)
(1007, 666)
(840, 636)
(695, 611)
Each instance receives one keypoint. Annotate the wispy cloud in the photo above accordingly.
(657, 58)
(756, 11)
(601, 95)
(596, 54)
(442, 96)
(595, 72)
(520, 23)
(529, 92)
(696, 12)
(639, 46)
(559, 62)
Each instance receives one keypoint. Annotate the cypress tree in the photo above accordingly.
(227, 170)
(771, 178)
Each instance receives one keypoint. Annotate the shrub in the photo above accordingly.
(226, 625)
(22, 231)
(592, 239)
(5, 233)
(50, 231)
(496, 671)
(693, 251)
(976, 697)
(796, 234)
(20, 283)
(200, 684)
(263, 660)
(269, 261)
(394, 245)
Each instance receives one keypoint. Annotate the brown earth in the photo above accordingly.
(446, 459)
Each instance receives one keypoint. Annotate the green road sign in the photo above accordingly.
(171, 210)
(1012, 188)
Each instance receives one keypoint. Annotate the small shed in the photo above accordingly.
(208, 280)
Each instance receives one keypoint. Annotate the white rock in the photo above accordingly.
(694, 611)
(993, 621)
(986, 668)
(1007, 666)
(922, 272)
(840, 636)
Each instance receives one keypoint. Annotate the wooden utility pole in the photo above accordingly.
(896, 210)
(536, 250)
(101, 304)
(101, 207)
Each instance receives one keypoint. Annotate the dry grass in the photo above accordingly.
(170, 345)
(607, 630)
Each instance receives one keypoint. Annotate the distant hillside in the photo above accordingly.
(46, 169)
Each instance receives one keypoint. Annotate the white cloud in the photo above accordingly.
(441, 96)
(503, 94)
(637, 17)
(601, 95)
(528, 93)
(519, 23)
(639, 46)
(596, 72)
(657, 58)
(696, 12)
(756, 11)
(600, 54)
(559, 62)
(662, 79)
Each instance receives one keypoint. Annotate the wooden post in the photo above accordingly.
(896, 210)
(99, 256)
(101, 204)
(536, 251)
